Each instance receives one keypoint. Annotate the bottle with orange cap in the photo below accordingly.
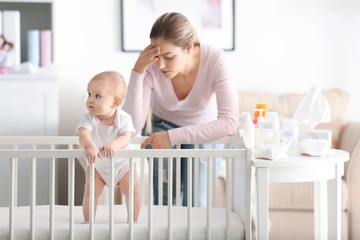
(259, 116)
(260, 109)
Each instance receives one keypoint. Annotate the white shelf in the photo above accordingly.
(27, 77)
(28, 1)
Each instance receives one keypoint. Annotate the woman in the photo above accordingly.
(190, 91)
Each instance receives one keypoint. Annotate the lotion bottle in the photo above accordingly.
(248, 129)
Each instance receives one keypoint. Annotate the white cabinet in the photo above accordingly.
(29, 106)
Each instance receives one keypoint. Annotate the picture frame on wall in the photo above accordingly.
(214, 21)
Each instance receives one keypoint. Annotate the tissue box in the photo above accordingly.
(315, 134)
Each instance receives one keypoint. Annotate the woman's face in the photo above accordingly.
(172, 59)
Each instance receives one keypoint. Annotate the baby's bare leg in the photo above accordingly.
(98, 188)
(124, 186)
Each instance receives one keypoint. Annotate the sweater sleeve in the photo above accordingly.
(137, 99)
(227, 107)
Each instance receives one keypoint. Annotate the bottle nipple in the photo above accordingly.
(258, 115)
(260, 109)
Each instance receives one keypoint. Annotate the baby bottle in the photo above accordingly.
(259, 125)
(269, 133)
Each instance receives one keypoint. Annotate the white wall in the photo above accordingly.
(281, 46)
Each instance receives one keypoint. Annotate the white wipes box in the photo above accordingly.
(315, 142)
(315, 134)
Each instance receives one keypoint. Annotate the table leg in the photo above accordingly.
(334, 201)
(262, 181)
(320, 209)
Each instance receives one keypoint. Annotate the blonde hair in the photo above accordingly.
(176, 28)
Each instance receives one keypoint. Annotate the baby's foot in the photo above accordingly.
(86, 222)
(135, 221)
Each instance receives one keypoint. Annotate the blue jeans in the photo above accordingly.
(158, 125)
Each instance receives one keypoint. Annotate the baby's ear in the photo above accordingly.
(117, 102)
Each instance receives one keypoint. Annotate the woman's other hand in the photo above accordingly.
(158, 140)
(147, 57)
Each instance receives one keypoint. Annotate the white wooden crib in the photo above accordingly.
(53, 221)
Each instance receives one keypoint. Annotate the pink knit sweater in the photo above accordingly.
(209, 111)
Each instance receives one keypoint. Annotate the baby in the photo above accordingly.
(103, 130)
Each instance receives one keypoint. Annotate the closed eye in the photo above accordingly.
(168, 56)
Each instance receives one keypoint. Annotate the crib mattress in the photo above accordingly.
(101, 226)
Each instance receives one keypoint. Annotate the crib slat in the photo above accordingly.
(178, 177)
(160, 181)
(52, 196)
(170, 196)
(208, 200)
(131, 199)
(16, 178)
(111, 199)
(213, 179)
(189, 200)
(12, 198)
(91, 200)
(32, 196)
(196, 179)
(71, 190)
(142, 181)
(151, 203)
(228, 196)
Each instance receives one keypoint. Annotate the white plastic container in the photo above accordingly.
(247, 130)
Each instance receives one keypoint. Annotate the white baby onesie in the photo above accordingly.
(102, 134)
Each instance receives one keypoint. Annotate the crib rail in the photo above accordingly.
(70, 154)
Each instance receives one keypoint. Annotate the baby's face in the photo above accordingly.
(101, 97)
